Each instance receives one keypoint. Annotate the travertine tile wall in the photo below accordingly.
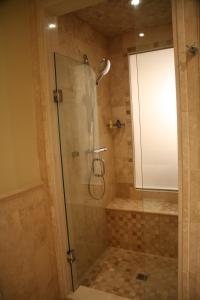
(27, 255)
(186, 22)
(119, 46)
(76, 38)
(132, 230)
(87, 224)
(186, 18)
(83, 208)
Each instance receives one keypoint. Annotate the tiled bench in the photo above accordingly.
(149, 226)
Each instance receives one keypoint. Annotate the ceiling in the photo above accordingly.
(61, 7)
(118, 16)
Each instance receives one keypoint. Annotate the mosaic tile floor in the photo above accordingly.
(116, 271)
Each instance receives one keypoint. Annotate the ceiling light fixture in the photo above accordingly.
(52, 25)
(135, 2)
(141, 34)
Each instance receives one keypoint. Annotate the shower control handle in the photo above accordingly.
(98, 150)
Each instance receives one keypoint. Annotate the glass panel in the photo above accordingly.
(79, 135)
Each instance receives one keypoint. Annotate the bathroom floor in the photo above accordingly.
(116, 272)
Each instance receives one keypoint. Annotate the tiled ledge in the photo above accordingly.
(85, 293)
(152, 206)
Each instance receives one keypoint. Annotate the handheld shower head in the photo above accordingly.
(106, 64)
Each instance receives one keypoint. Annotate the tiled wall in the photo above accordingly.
(77, 38)
(27, 256)
(143, 232)
(186, 32)
(186, 23)
(129, 230)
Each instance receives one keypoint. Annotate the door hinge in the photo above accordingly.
(71, 256)
(58, 96)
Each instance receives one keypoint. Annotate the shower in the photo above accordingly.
(98, 164)
(105, 68)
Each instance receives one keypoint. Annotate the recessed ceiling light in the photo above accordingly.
(141, 34)
(135, 2)
(52, 25)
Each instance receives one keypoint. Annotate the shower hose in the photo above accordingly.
(97, 171)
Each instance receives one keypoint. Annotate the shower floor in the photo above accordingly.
(116, 271)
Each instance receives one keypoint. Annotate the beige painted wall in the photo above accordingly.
(18, 152)
(27, 250)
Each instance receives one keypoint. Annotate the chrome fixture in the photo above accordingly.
(98, 150)
(118, 124)
(106, 64)
(97, 171)
(192, 49)
(98, 167)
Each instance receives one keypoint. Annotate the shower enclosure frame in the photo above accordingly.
(81, 164)
(184, 34)
(58, 98)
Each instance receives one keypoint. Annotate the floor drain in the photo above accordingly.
(142, 276)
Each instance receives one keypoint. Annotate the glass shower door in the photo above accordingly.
(78, 133)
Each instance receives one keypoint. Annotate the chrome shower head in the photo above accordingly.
(106, 64)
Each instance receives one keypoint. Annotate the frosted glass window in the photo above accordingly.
(154, 119)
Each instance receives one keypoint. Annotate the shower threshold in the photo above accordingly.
(85, 293)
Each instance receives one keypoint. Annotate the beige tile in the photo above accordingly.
(194, 128)
(27, 254)
(194, 253)
(195, 196)
(124, 171)
(122, 190)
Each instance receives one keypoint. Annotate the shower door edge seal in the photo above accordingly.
(57, 96)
